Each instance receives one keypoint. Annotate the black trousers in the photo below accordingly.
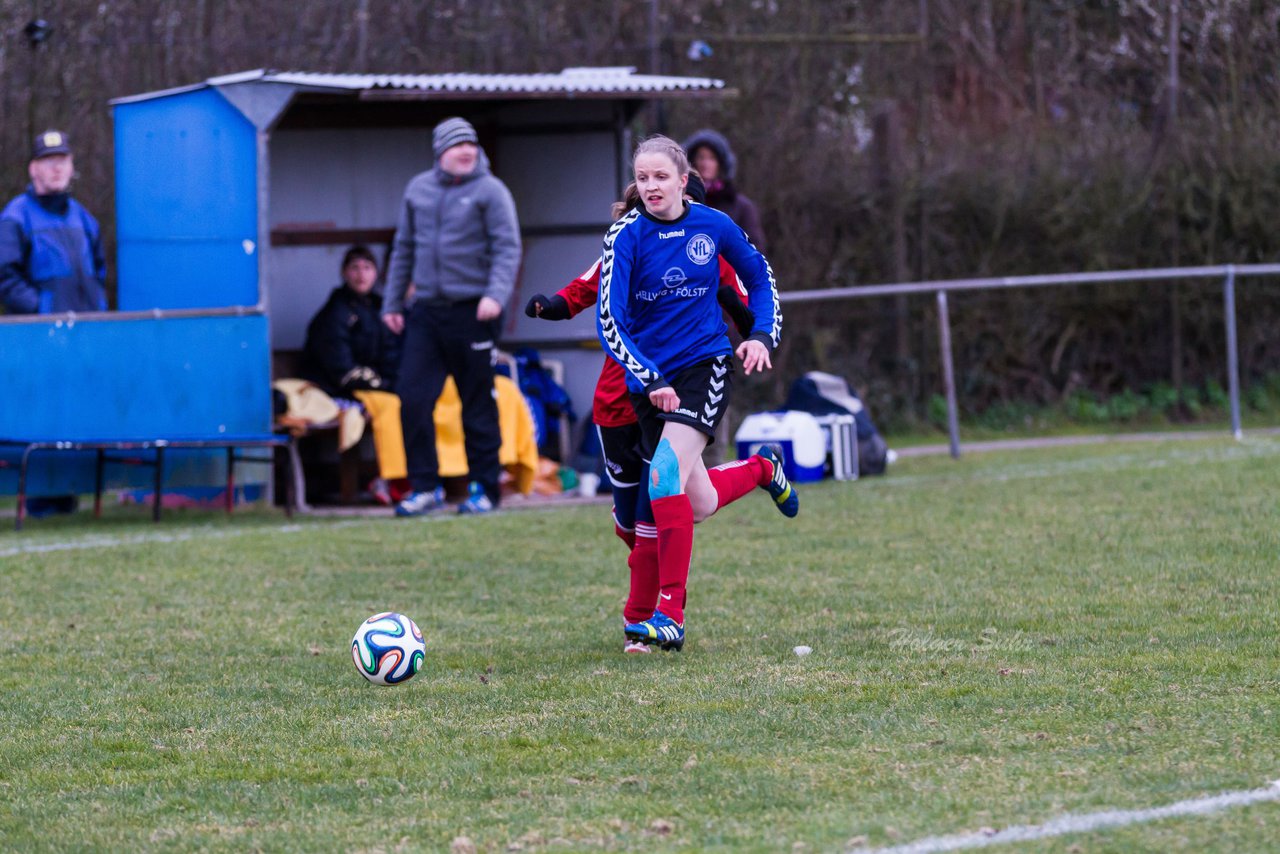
(443, 339)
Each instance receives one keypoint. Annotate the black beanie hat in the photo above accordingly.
(695, 189)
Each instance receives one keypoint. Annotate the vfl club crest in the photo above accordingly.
(700, 249)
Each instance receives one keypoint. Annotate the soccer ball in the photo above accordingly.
(388, 648)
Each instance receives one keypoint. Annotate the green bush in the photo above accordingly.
(1191, 402)
(1163, 398)
(1258, 398)
(1215, 396)
(1007, 415)
(938, 411)
(1128, 405)
(1271, 382)
(1159, 403)
(1084, 407)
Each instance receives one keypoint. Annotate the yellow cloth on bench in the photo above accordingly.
(519, 450)
(383, 409)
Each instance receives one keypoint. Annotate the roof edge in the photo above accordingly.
(618, 81)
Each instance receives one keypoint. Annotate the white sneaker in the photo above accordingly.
(421, 503)
(476, 501)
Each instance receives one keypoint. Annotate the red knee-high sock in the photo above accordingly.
(643, 561)
(736, 479)
(674, 518)
(628, 537)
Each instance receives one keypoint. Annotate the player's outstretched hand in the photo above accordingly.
(754, 355)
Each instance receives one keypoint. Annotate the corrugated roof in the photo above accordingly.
(601, 81)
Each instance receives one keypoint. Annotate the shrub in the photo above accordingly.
(1163, 398)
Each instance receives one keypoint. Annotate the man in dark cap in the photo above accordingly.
(50, 246)
(457, 244)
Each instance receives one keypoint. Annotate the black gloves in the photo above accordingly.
(548, 308)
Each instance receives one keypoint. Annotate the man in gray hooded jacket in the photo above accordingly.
(457, 245)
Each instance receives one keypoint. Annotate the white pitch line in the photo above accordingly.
(181, 537)
(100, 542)
(1084, 823)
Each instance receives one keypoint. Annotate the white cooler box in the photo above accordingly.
(798, 434)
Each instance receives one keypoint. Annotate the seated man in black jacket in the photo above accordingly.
(350, 352)
(348, 348)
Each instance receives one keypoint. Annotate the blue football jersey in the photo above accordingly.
(657, 311)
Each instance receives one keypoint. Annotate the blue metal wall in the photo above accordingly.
(132, 379)
(186, 203)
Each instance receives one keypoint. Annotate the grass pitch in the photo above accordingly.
(996, 641)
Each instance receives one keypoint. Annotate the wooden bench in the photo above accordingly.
(284, 363)
(102, 449)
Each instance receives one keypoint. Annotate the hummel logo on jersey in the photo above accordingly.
(674, 277)
(482, 345)
(686, 413)
(663, 235)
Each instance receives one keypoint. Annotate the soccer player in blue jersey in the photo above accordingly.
(658, 317)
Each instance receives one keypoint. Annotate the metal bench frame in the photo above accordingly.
(102, 448)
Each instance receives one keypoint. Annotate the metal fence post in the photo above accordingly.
(948, 374)
(1233, 356)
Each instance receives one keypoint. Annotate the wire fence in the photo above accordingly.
(941, 287)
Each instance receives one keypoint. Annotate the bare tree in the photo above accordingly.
(1033, 137)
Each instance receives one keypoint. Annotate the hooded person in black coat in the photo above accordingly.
(348, 348)
(710, 154)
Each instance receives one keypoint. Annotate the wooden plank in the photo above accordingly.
(330, 236)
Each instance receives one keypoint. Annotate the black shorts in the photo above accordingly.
(704, 397)
(621, 448)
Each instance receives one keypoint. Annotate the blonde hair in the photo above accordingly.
(659, 144)
(630, 199)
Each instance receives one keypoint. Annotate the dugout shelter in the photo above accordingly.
(235, 199)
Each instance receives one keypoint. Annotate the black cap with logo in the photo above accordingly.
(49, 143)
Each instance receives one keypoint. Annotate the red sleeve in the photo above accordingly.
(581, 292)
(729, 278)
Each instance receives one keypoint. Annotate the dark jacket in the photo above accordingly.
(348, 348)
(50, 256)
(457, 239)
(722, 193)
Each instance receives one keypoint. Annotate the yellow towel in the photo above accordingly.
(383, 408)
(519, 451)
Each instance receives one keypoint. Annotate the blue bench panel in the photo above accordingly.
(133, 379)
